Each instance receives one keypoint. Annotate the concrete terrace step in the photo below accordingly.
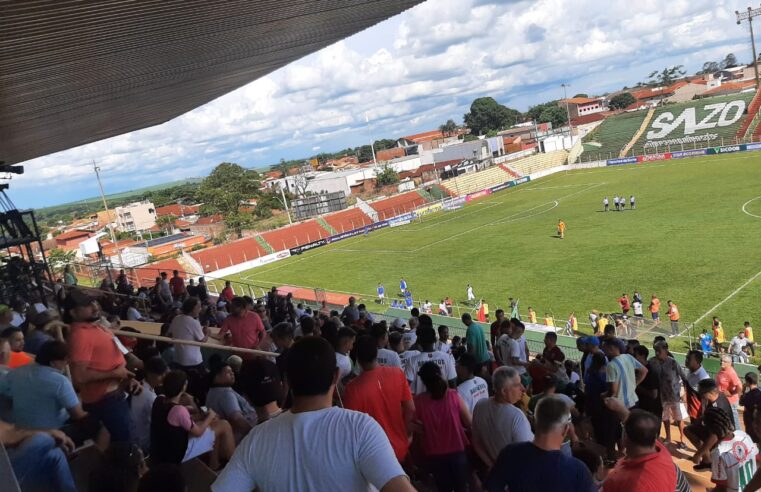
(326, 226)
(264, 244)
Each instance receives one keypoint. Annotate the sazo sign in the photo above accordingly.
(719, 115)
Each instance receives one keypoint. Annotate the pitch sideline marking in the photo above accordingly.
(748, 203)
(730, 296)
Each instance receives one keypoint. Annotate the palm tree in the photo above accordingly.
(166, 222)
(448, 128)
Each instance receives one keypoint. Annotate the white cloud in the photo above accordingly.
(407, 74)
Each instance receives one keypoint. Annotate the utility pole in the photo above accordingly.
(749, 15)
(108, 215)
(568, 111)
(285, 202)
(369, 135)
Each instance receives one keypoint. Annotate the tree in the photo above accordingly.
(364, 153)
(487, 114)
(621, 101)
(667, 76)
(729, 61)
(238, 221)
(384, 143)
(227, 187)
(554, 114)
(581, 94)
(386, 175)
(708, 68)
(281, 167)
(166, 222)
(59, 258)
(448, 128)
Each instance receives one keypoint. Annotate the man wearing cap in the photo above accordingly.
(591, 346)
(98, 367)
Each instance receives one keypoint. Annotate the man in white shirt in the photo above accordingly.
(410, 337)
(427, 340)
(519, 348)
(497, 422)
(504, 347)
(386, 357)
(471, 295)
(733, 460)
(736, 348)
(471, 388)
(443, 344)
(140, 406)
(289, 452)
(443, 311)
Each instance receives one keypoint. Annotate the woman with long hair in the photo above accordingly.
(442, 419)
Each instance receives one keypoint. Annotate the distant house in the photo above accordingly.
(582, 106)
(427, 140)
(137, 216)
(70, 240)
(177, 210)
(210, 226)
(730, 88)
(388, 154)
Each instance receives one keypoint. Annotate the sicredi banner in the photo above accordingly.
(654, 157)
(693, 123)
(621, 160)
(727, 149)
(687, 153)
(401, 220)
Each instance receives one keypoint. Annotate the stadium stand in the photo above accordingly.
(295, 235)
(509, 171)
(472, 182)
(438, 192)
(745, 129)
(346, 220)
(146, 275)
(538, 162)
(640, 131)
(229, 254)
(396, 205)
(607, 140)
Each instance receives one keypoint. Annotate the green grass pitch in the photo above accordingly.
(688, 240)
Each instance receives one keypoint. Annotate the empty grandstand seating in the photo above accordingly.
(472, 182)
(346, 220)
(295, 235)
(538, 162)
(753, 107)
(145, 276)
(613, 135)
(399, 204)
(229, 254)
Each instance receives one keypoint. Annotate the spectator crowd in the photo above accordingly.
(320, 399)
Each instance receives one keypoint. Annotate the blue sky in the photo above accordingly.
(409, 74)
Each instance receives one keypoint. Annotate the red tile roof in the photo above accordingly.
(425, 136)
(177, 210)
(210, 219)
(581, 100)
(730, 87)
(388, 154)
(590, 118)
(72, 234)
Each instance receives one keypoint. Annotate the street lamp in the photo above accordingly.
(567, 111)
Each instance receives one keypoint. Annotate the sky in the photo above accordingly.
(408, 74)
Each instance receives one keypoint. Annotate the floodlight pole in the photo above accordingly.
(370, 136)
(285, 203)
(751, 12)
(568, 111)
(108, 215)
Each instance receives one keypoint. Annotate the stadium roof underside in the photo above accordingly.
(73, 72)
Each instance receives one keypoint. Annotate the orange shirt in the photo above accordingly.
(673, 312)
(380, 393)
(19, 359)
(561, 226)
(655, 305)
(95, 346)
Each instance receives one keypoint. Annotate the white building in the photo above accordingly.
(137, 216)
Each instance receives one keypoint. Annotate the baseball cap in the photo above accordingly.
(399, 323)
(261, 381)
(591, 341)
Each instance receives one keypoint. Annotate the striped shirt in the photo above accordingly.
(621, 370)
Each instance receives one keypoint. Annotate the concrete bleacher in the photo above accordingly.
(225, 255)
(295, 235)
(146, 275)
(472, 182)
(538, 162)
(346, 220)
(397, 205)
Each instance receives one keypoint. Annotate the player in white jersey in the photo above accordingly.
(471, 295)
(471, 389)
(426, 337)
(733, 459)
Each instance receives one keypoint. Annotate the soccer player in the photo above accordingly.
(605, 204)
(471, 295)
(631, 202)
(673, 313)
(403, 286)
(615, 203)
(706, 342)
(381, 294)
(718, 335)
(561, 228)
(733, 460)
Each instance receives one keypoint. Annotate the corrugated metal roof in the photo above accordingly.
(73, 72)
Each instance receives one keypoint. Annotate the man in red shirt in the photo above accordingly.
(729, 385)
(98, 368)
(383, 393)
(243, 328)
(177, 284)
(227, 293)
(625, 304)
(648, 465)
